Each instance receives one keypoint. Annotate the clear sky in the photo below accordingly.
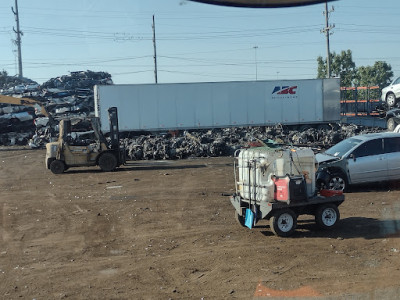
(195, 42)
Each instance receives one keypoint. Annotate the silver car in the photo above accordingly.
(360, 159)
(391, 93)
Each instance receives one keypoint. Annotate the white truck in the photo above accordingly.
(180, 106)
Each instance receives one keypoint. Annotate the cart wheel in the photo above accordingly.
(240, 219)
(327, 216)
(283, 223)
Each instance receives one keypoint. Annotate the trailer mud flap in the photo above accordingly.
(265, 208)
(235, 200)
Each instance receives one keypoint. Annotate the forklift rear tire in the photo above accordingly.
(327, 216)
(108, 162)
(240, 219)
(283, 222)
(57, 166)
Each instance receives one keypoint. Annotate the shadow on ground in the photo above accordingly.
(349, 228)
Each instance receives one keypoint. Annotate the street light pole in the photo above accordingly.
(255, 60)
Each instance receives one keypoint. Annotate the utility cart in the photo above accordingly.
(278, 184)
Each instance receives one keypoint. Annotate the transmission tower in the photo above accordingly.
(18, 34)
(326, 30)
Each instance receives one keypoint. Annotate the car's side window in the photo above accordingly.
(373, 147)
(392, 145)
(397, 81)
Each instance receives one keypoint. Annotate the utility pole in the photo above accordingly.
(327, 33)
(155, 50)
(18, 34)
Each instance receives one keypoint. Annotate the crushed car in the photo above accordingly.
(392, 118)
(14, 121)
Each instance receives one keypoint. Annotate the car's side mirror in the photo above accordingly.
(353, 156)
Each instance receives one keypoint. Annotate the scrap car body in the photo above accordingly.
(391, 93)
(392, 118)
(360, 159)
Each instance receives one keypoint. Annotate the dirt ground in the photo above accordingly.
(166, 230)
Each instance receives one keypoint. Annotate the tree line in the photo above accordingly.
(343, 66)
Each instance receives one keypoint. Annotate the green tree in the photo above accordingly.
(3, 78)
(379, 74)
(341, 65)
(321, 67)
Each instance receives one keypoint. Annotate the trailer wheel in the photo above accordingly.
(108, 162)
(240, 219)
(304, 128)
(283, 223)
(57, 166)
(327, 216)
(324, 127)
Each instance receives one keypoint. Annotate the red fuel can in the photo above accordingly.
(281, 188)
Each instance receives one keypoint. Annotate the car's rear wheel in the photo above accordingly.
(390, 99)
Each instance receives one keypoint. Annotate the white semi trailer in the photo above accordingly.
(176, 106)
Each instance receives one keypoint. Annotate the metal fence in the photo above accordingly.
(360, 101)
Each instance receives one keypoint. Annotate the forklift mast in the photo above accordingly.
(65, 128)
(95, 122)
(114, 129)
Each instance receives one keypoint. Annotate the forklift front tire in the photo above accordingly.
(283, 223)
(57, 166)
(108, 162)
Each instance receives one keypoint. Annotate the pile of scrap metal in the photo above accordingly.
(72, 96)
(12, 84)
(224, 142)
(16, 124)
(65, 96)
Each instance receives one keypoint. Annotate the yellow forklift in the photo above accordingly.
(69, 151)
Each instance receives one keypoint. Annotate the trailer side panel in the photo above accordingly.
(156, 107)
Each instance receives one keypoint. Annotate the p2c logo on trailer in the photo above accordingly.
(285, 92)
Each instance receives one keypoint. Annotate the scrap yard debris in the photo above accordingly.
(63, 96)
(224, 142)
(72, 96)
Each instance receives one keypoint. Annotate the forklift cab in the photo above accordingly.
(76, 153)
